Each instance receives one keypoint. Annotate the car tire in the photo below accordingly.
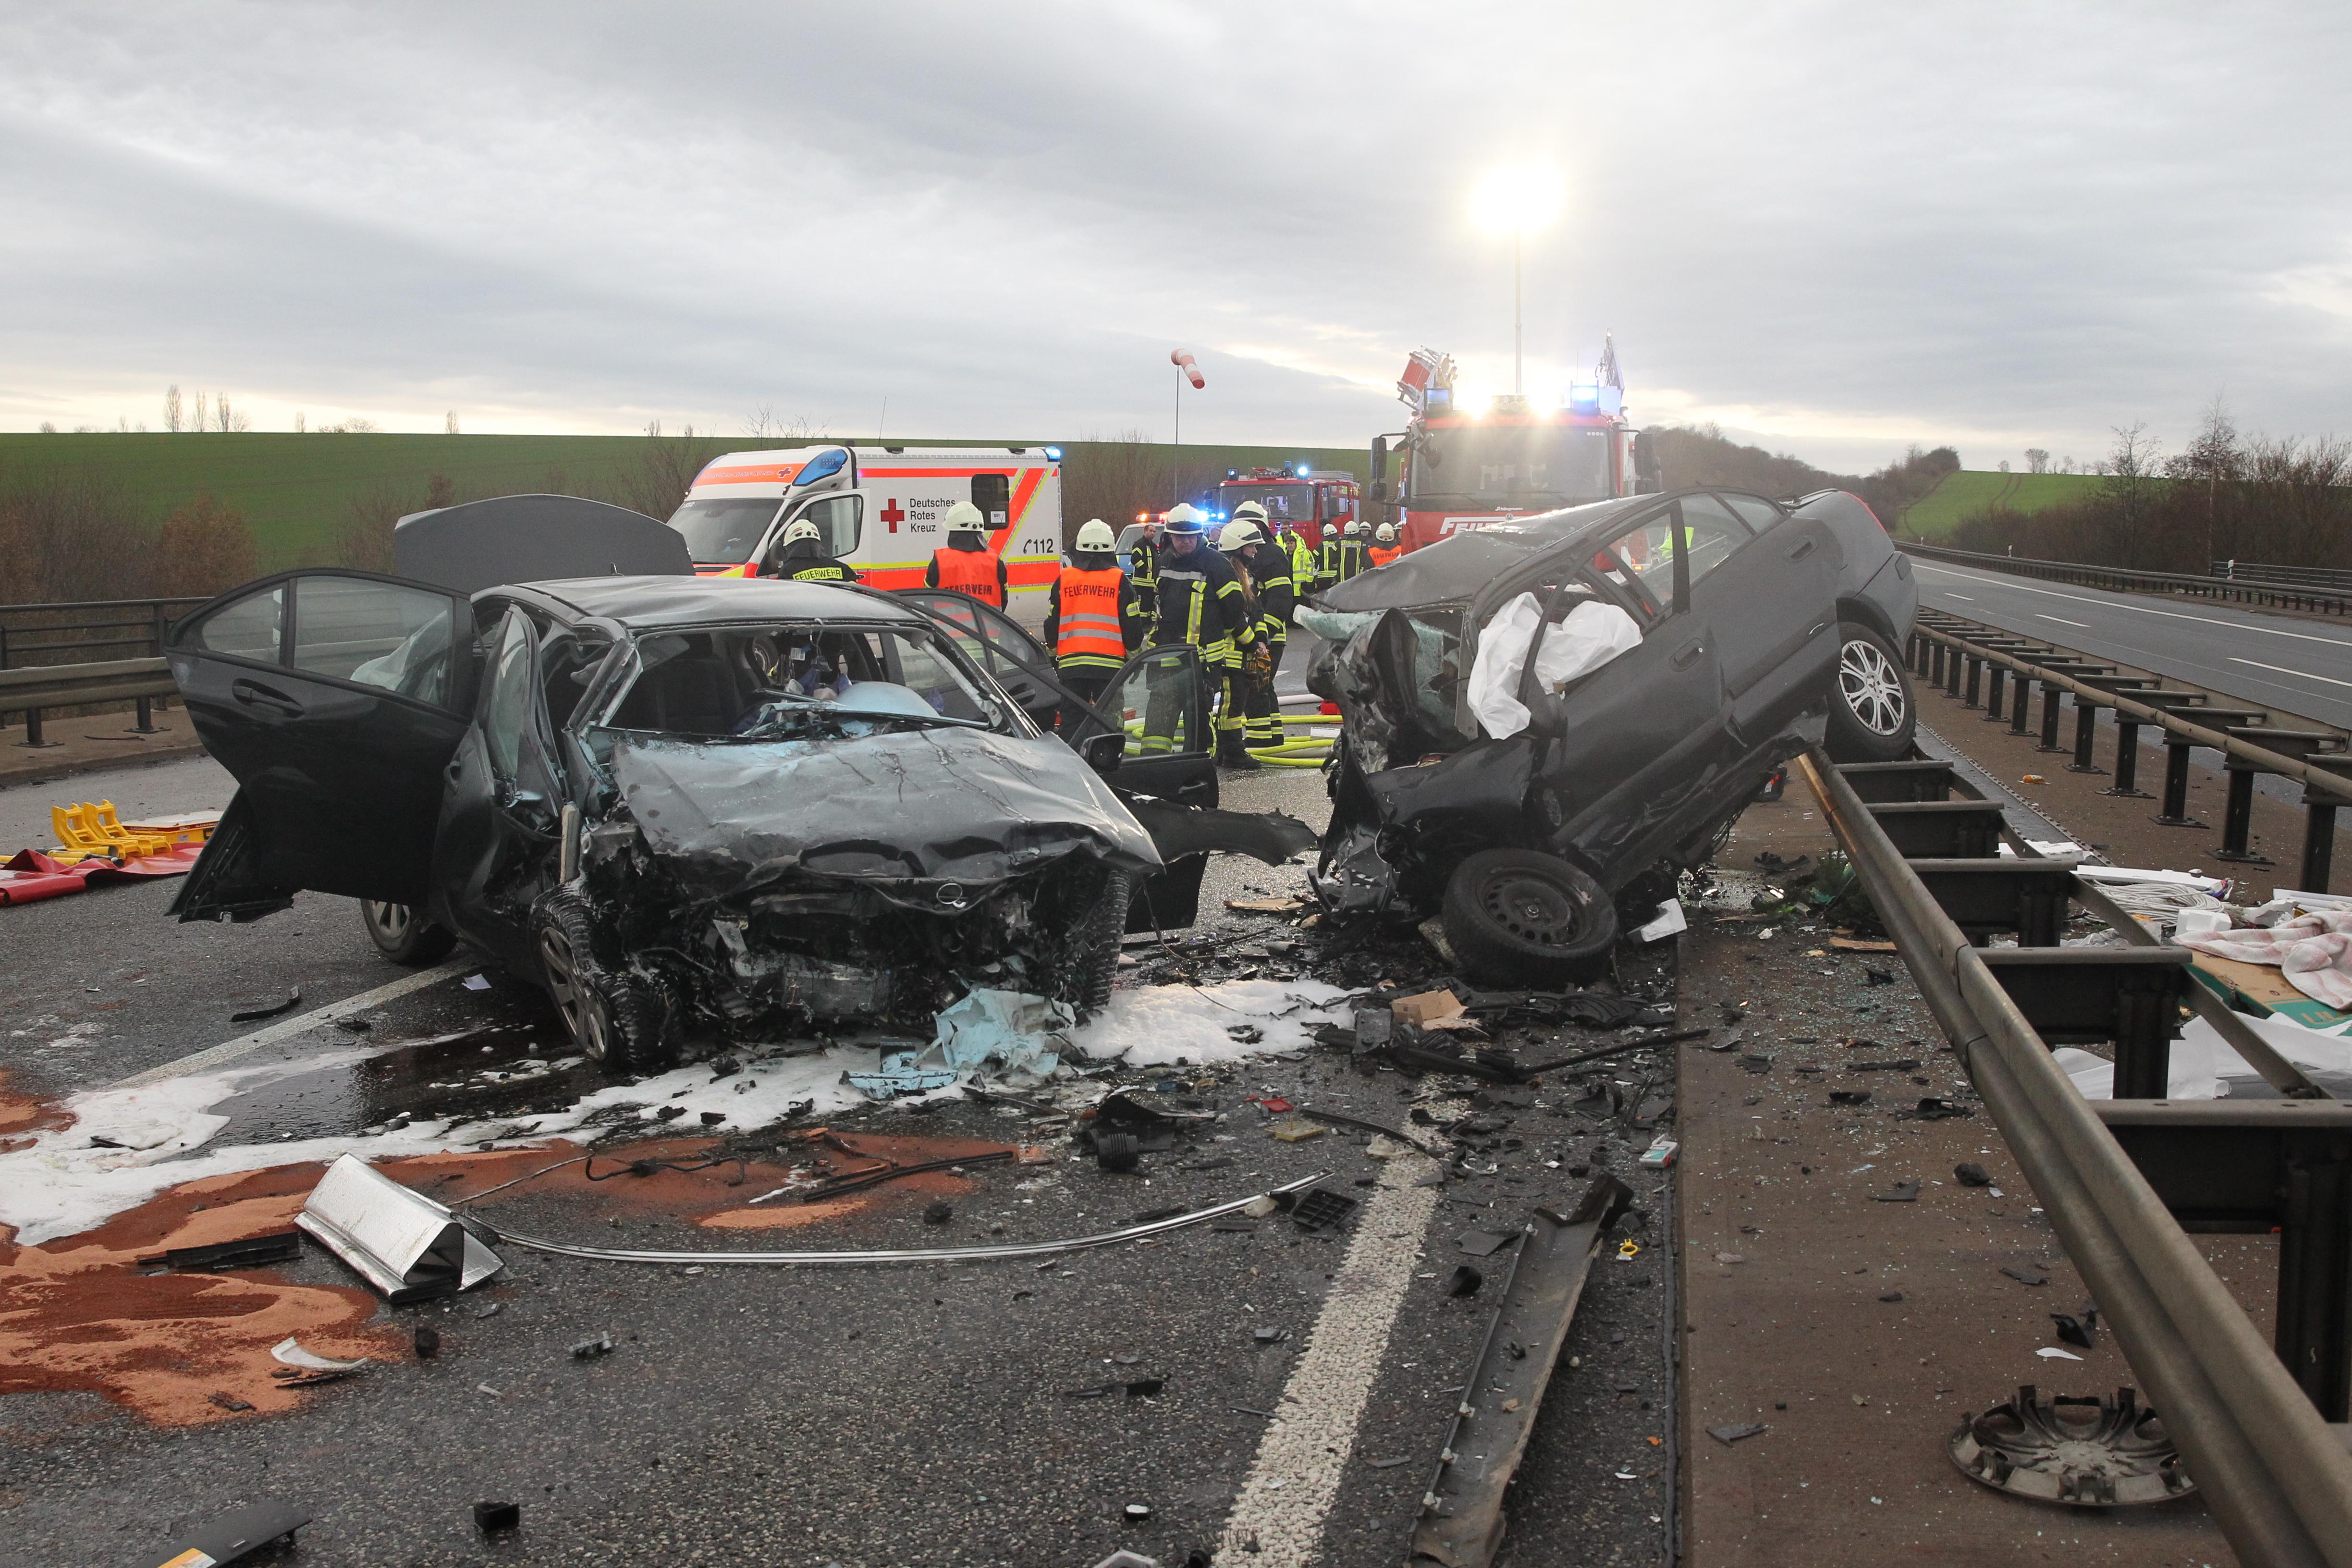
(1871, 709)
(615, 1019)
(404, 936)
(1513, 916)
(1095, 958)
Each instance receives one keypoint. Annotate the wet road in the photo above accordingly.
(2298, 666)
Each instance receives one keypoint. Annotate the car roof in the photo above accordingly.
(690, 601)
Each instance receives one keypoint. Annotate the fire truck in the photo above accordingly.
(1314, 503)
(1465, 468)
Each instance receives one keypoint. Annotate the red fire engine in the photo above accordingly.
(1314, 503)
(1463, 470)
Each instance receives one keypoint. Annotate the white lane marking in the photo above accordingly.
(2062, 621)
(1277, 1521)
(1963, 598)
(2138, 609)
(286, 1028)
(2282, 670)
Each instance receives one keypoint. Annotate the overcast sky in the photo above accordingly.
(1836, 227)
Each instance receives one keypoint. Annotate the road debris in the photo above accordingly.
(255, 1252)
(589, 1349)
(289, 1351)
(1968, 1174)
(275, 1009)
(1732, 1432)
(2088, 1452)
(229, 1536)
(493, 1518)
(401, 1242)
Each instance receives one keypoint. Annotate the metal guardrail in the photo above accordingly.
(2254, 1433)
(28, 692)
(2303, 577)
(1964, 658)
(32, 634)
(2281, 595)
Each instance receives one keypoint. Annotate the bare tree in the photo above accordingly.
(223, 420)
(172, 409)
(449, 423)
(2131, 470)
(2002, 465)
(2037, 460)
(48, 427)
(2214, 456)
(301, 422)
(1112, 477)
(203, 423)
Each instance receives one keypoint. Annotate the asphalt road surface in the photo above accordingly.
(2292, 666)
(919, 1414)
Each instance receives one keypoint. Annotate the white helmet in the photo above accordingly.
(964, 518)
(1249, 511)
(1182, 519)
(1095, 534)
(1239, 534)
(1355, 529)
(803, 528)
(1385, 533)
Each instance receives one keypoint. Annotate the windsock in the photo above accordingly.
(1183, 362)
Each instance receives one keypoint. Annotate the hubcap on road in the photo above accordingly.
(1872, 686)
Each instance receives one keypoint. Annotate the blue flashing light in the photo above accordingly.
(823, 465)
(1053, 453)
(1585, 399)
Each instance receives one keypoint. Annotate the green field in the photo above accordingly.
(297, 493)
(1970, 492)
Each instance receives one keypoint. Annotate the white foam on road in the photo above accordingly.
(1278, 1521)
(59, 1183)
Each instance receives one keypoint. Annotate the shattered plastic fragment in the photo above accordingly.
(1732, 1432)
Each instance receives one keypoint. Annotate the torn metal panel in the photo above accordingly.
(1461, 1523)
(911, 1255)
(1181, 830)
(401, 1242)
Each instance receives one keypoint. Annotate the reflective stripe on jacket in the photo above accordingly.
(1088, 630)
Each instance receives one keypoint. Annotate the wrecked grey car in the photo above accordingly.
(690, 807)
(1541, 719)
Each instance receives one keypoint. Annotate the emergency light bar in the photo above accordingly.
(1585, 399)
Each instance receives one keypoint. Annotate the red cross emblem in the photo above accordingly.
(894, 514)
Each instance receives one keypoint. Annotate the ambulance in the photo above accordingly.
(881, 510)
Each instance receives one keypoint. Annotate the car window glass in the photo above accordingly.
(377, 634)
(993, 493)
(1714, 533)
(506, 707)
(768, 681)
(724, 532)
(1155, 705)
(1642, 562)
(249, 627)
(1755, 512)
(836, 519)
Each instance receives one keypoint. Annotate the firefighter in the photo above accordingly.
(966, 563)
(1144, 570)
(804, 560)
(1092, 620)
(1200, 606)
(1332, 556)
(1293, 544)
(1385, 547)
(1352, 550)
(1264, 567)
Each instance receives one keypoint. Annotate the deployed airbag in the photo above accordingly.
(1591, 635)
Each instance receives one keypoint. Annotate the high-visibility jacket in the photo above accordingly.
(1382, 555)
(1201, 603)
(1327, 562)
(975, 571)
(1302, 562)
(1087, 618)
(801, 562)
(1278, 596)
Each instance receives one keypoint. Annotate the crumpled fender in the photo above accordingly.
(1182, 830)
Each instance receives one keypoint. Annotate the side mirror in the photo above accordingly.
(1380, 491)
(1379, 459)
(1648, 479)
(1102, 753)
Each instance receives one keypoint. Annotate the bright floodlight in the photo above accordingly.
(1516, 200)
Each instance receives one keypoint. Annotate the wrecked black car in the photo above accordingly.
(1542, 719)
(689, 806)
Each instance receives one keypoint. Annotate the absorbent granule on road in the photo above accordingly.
(1278, 1521)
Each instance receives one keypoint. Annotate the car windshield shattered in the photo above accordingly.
(795, 683)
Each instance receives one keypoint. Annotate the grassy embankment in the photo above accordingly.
(1973, 492)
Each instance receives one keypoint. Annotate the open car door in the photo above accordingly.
(335, 699)
(1019, 662)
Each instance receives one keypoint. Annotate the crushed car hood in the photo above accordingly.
(963, 806)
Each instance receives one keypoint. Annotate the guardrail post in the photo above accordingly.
(146, 725)
(2086, 729)
(2054, 696)
(2238, 816)
(1952, 674)
(2126, 758)
(1935, 662)
(2319, 841)
(2314, 1274)
(1976, 672)
(1994, 675)
(2020, 703)
(2175, 812)
(32, 740)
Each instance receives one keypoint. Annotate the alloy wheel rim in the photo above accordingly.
(572, 1004)
(1872, 686)
(391, 920)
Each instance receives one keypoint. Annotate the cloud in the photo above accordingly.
(1849, 227)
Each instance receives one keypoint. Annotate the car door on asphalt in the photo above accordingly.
(998, 645)
(496, 851)
(1772, 599)
(1639, 740)
(335, 699)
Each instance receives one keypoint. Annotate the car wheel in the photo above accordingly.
(1095, 957)
(1872, 712)
(403, 935)
(614, 1019)
(1518, 915)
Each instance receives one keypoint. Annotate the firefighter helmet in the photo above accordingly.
(964, 518)
(1095, 534)
(1355, 529)
(1384, 534)
(1250, 511)
(1182, 518)
(803, 528)
(1239, 534)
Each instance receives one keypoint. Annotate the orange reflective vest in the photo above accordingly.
(970, 571)
(1088, 630)
(1383, 554)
